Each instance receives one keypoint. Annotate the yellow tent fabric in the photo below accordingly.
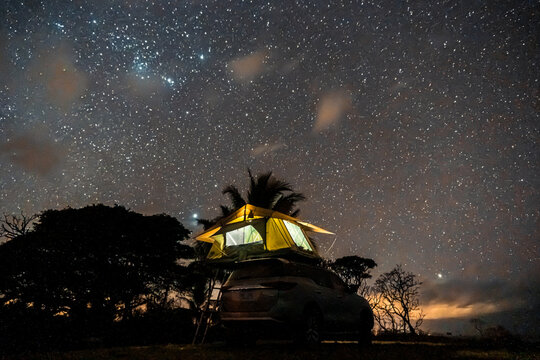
(262, 229)
(250, 212)
(216, 251)
(276, 231)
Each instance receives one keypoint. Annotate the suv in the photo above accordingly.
(276, 297)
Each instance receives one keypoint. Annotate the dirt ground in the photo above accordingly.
(286, 351)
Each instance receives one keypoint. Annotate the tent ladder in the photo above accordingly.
(211, 307)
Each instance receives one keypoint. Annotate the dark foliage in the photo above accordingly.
(85, 271)
(354, 270)
(202, 273)
(265, 191)
(156, 326)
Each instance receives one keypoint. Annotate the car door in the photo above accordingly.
(348, 306)
(325, 296)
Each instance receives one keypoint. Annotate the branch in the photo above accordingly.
(12, 226)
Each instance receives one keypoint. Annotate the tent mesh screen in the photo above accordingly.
(244, 235)
(297, 235)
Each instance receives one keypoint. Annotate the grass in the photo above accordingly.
(399, 350)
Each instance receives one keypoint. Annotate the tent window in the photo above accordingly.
(297, 235)
(244, 235)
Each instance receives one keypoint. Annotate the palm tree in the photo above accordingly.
(265, 191)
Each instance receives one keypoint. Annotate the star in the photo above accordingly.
(414, 140)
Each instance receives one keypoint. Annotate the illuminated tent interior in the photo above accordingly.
(253, 232)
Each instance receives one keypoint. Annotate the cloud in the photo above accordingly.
(449, 306)
(63, 82)
(32, 154)
(331, 107)
(266, 148)
(469, 298)
(247, 68)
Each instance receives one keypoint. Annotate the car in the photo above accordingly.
(276, 298)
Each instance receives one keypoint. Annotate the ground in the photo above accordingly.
(285, 351)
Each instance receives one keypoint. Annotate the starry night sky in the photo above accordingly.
(411, 126)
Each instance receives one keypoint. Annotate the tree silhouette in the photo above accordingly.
(354, 270)
(395, 301)
(95, 265)
(12, 226)
(479, 325)
(265, 191)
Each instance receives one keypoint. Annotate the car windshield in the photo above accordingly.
(259, 270)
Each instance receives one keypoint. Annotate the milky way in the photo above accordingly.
(412, 127)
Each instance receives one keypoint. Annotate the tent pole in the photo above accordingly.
(265, 233)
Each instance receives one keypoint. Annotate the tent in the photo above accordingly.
(252, 232)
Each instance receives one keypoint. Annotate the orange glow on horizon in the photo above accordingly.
(444, 311)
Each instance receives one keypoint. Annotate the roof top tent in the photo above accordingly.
(253, 232)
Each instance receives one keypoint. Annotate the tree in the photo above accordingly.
(12, 226)
(497, 333)
(264, 191)
(94, 265)
(478, 325)
(395, 301)
(354, 270)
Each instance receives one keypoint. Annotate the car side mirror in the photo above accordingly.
(353, 289)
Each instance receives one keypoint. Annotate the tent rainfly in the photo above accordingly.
(252, 232)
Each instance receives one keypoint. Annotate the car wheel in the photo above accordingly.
(311, 327)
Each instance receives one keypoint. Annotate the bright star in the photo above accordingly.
(168, 80)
